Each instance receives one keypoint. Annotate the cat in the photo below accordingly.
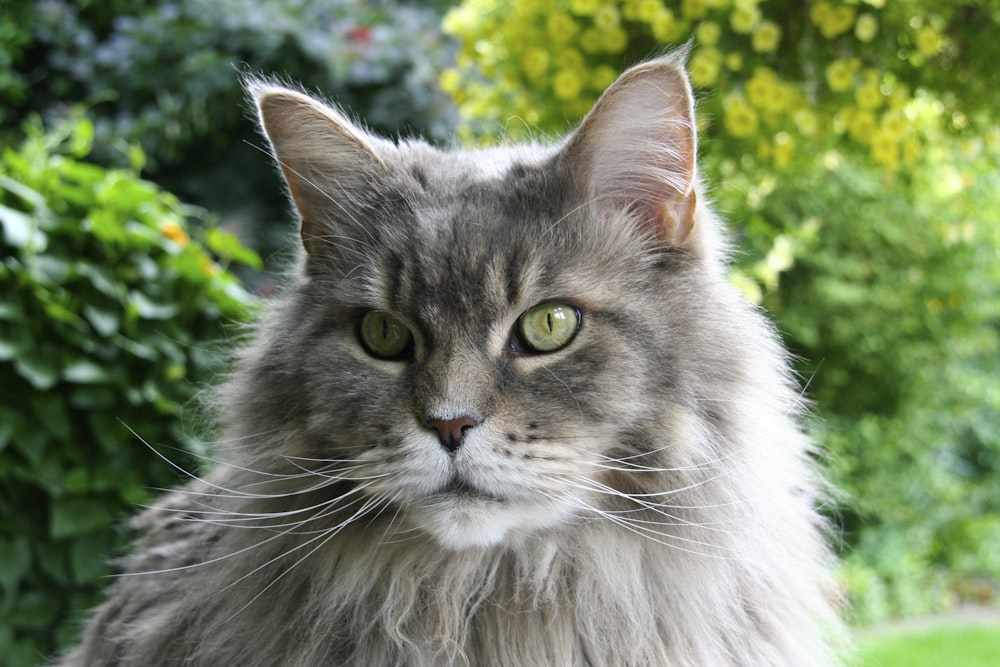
(507, 411)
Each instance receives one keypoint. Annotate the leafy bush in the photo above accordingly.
(164, 75)
(112, 317)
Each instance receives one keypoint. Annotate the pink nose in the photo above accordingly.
(451, 432)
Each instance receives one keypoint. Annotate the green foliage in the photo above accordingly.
(862, 182)
(968, 646)
(112, 318)
(165, 75)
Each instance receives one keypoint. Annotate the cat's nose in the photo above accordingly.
(451, 432)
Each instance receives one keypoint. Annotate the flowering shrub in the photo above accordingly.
(543, 63)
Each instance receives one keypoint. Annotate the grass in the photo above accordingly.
(942, 646)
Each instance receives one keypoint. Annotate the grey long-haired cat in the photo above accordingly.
(508, 412)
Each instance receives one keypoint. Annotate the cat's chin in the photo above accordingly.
(462, 523)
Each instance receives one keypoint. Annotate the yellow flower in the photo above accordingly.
(861, 126)
(744, 19)
(911, 150)
(591, 41)
(899, 97)
(761, 87)
(708, 33)
(806, 121)
(993, 138)
(868, 96)
(615, 40)
(648, 10)
(450, 81)
(866, 28)
(820, 12)
(606, 18)
(665, 27)
(832, 21)
(894, 124)
(572, 59)
(561, 28)
(928, 41)
(766, 37)
(734, 61)
(704, 67)
(694, 9)
(459, 21)
(566, 84)
(784, 149)
(840, 75)
(602, 77)
(535, 62)
(741, 120)
(584, 7)
(173, 231)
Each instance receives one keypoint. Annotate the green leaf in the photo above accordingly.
(102, 279)
(36, 610)
(228, 246)
(88, 557)
(34, 199)
(104, 320)
(10, 349)
(15, 554)
(10, 311)
(38, 367)
(149, 309)
(85, 371)
(106, 226)
(50, 269)
(93, 397)
(50, 409)
(135, 348)
(74, 515)
(21, 230)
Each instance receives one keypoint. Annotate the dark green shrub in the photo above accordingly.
(165, 75)
(112, 317)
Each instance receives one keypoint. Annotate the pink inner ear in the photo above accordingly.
(636, 149)
(675, 218)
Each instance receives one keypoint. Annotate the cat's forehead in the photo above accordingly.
(481, 233)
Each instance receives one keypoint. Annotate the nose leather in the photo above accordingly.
(451, 432)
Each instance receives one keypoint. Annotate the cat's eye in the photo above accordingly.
(548, 327)
(384, 336)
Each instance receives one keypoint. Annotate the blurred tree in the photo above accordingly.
(165, 75)
(854, 144)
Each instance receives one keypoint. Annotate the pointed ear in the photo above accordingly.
(332, 167)
(635, 151)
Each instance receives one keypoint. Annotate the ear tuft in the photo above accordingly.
(330, 165)
(636, 150)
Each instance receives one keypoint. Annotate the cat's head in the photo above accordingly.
(488, 343)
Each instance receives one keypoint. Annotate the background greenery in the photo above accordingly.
(853, 144)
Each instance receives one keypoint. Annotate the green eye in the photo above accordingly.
(384, 336)
(548, 327)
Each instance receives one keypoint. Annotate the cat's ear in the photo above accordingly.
(331, 166)
(635, 151)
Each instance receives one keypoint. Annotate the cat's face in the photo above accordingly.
(488, 343)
